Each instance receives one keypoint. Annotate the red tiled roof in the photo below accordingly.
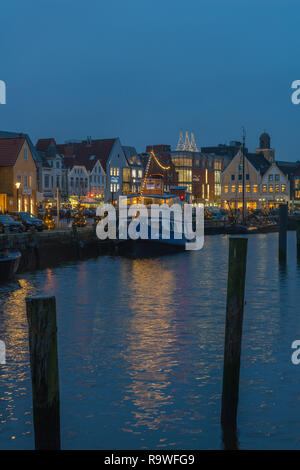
(100, 149)
(44, 144)
(9, 150)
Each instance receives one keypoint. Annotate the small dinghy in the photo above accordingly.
(9, 263)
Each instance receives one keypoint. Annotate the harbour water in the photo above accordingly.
(141, 350)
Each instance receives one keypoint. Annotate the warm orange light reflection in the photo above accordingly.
(151, 333)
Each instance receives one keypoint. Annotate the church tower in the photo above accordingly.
(265, 147)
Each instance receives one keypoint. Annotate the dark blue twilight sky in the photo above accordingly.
(144, 69)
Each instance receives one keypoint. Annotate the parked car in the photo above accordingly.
(29, 220)
(10, 224)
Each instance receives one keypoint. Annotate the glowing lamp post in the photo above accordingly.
(18, 184)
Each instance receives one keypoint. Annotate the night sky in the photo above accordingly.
(143, 70)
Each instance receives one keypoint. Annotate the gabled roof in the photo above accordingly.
(79, 153)
(9, 150)
(9, 135)
(129, 152)
(288, 167)
(259, 162)
(44, 144)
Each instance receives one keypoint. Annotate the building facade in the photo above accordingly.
(18, 176)
(232, 181)
(275, 187)
(266, 185)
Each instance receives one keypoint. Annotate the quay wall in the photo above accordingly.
(50, 248)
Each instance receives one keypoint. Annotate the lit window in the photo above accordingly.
(233, 188)
(271, 187)
(277, 188)
(264, 188)
(133, 173)
(240, 188)
(255, 188)
(226, 189)
(283, 188)
(247, 188)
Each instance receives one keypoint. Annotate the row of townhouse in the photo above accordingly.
(267, 183)
(103, 168)
(100, 168)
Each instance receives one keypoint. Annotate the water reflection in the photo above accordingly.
(151, 336)
(15, 397)
(141, 350)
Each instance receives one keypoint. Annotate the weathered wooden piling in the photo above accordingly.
(298, 239)
(283, 219)
(41, 315)
(233, 338)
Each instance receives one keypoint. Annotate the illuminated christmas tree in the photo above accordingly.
(48, 219)
(79, 217)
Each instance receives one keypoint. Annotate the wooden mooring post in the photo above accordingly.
(283, 219)
(233, 339)
(41, 316)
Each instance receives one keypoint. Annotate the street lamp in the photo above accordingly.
(18, 184)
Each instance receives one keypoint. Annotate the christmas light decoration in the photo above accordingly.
(187, 144)
(79, 217)
(48, 219)
(152, 155)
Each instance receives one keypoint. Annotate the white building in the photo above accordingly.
(52, 174)
(97, 179)
(117, 172)
(275, 187)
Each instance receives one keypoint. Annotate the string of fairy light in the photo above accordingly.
(152, 155)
